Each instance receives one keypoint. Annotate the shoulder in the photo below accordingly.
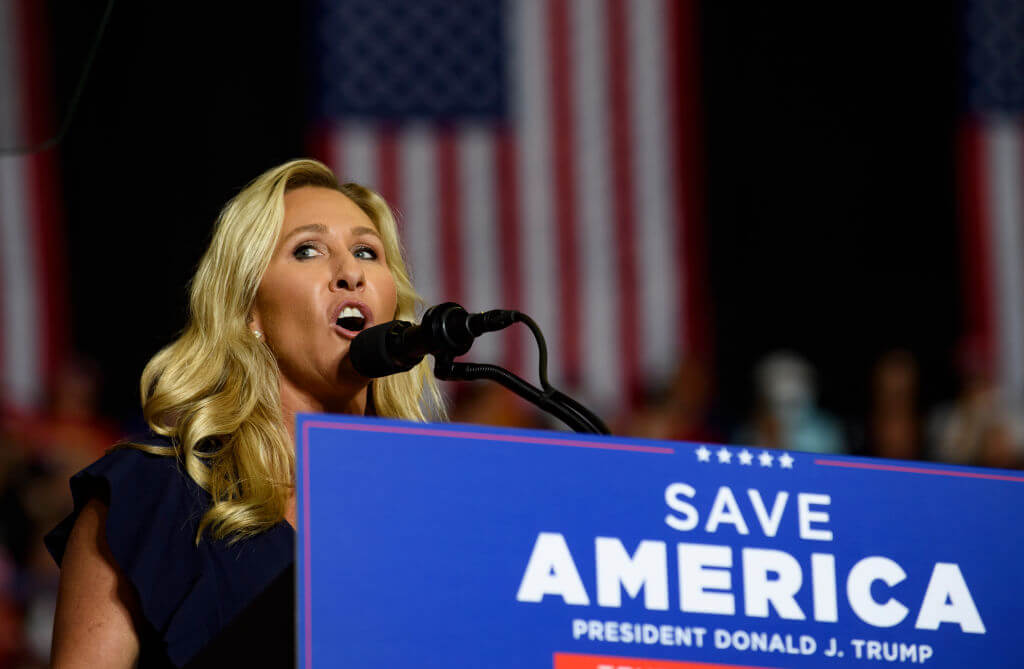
(149, 516)
(140, 489)
(133, 526)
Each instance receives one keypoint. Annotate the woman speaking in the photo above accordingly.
(180, 547)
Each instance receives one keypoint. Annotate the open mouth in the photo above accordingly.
(352, 319)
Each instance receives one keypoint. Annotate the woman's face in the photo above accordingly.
(327, 280)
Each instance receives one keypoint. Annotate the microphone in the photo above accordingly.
(398, 346)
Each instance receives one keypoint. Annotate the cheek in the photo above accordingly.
(268, 303)
(387, 293)
(392, 297)
(281, 303)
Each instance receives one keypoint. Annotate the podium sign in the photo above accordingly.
(453, 545)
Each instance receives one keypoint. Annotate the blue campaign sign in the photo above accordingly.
(454, 545)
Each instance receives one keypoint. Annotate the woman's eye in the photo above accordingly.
(365, 253)
(304, 251)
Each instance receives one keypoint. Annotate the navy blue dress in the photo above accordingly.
(213, 604)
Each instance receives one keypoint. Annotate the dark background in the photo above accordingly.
(181, 109)
(829, 135)
(830, 132)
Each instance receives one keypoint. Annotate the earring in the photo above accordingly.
(257, 334)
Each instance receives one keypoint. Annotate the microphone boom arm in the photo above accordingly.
(550, 399)
(559, 405)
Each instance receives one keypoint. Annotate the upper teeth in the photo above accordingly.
(350, 312)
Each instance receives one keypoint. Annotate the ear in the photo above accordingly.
(254, 322)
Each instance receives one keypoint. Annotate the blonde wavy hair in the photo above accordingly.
(215, 390)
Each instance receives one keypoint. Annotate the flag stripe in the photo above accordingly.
(419, 194)
(508, 258)
(335, 155)
(630, 327)
(991, 180)
(681, 73)
(570, 209)
(23, 371)
(9, 124)
(388, 183)
(658, 268)
(976, 246)
(1003, 154)
(449, 247)
(54, 322)
(53, 319)
(536, 175)
(320, 145)
(567, 286)
(359, 150)
(24, 337)
(601, 322)
(479, 230)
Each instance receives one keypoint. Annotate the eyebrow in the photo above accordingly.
(310, 227)
(322, 229)
(364, 230)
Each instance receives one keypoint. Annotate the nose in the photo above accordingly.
(350, 275)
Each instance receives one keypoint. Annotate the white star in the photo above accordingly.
(703, 454)
(724, 456)
(786, 460)
(745, 457)
(765, 459)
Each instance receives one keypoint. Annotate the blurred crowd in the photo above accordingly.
(979, 426)
(38, 454)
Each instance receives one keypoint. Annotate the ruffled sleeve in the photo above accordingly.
(187, 593)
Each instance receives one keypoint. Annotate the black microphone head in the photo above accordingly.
(370, 354)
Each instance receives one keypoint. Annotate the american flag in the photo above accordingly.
(31, 267)
(992, 185)
(542, 156)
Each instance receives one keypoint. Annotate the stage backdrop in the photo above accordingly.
(436, 546)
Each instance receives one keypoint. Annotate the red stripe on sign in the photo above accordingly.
(575, 661)
(559, 36)
(42, 210)
(508, 211)
(489, 436)
(307, 553)
(919, 470)
(450, 256)
(975, 234)
(623, 201)
(388, 172)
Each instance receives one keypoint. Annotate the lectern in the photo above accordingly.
(426, 545)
